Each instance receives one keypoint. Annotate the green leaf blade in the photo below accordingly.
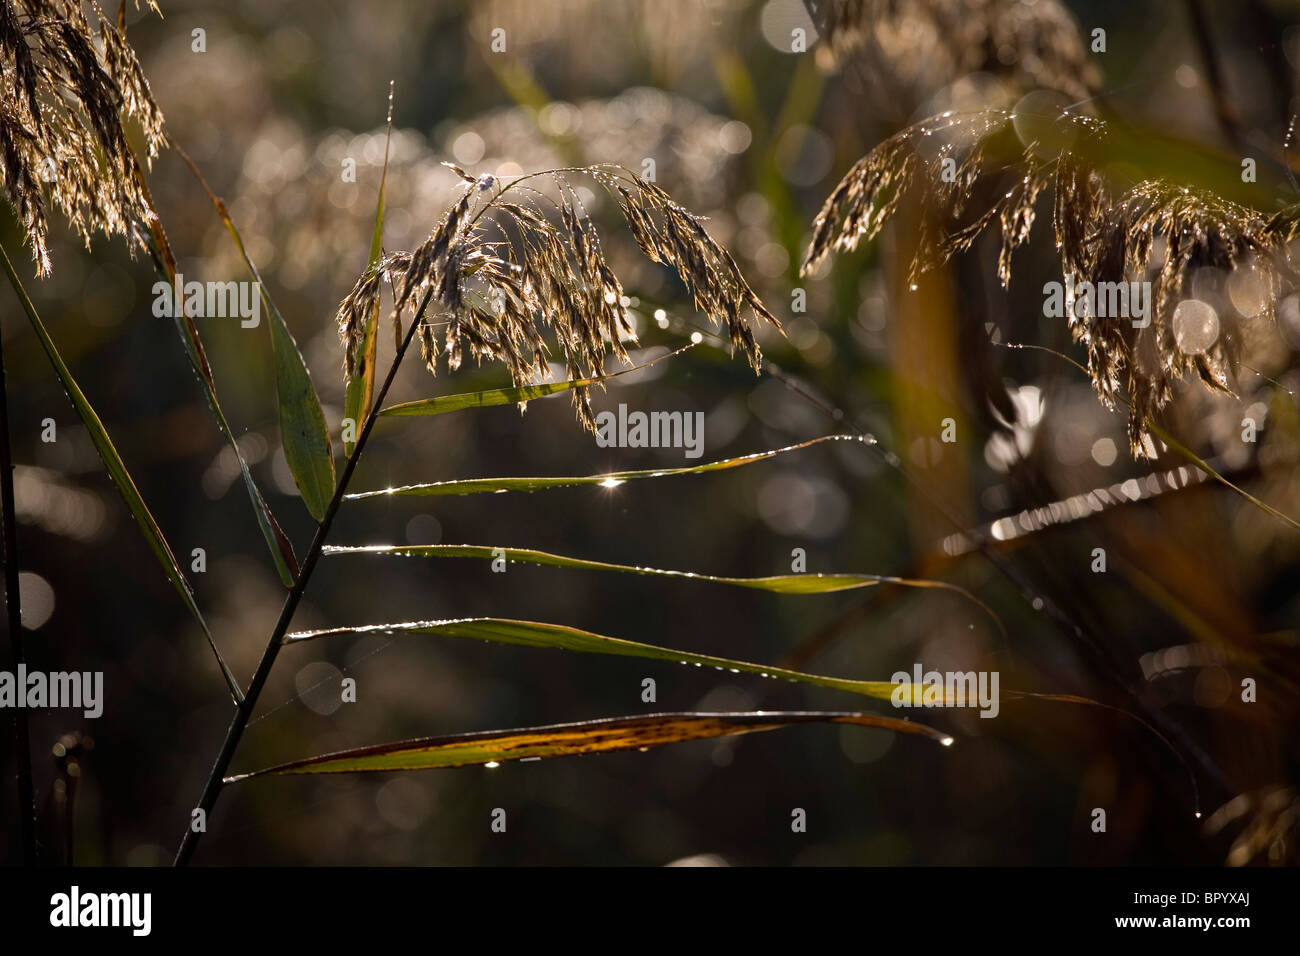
(277, 542)
(118, 473)
(793, 584)
(1209, 470)
(487, 398)
(303, 432)
(777, 583)
(471, 486)
(562, 637)
(359, 389)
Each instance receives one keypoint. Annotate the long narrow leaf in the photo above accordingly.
(303, 433)
(286, 563)
(582, 737)
(510, 396)
(1178, 447)
(561, 637)
(117, 471)
(778, 583)
(471, 486)
(1206, 467)
(360, 388)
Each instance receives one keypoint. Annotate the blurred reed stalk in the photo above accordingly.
(13, 604)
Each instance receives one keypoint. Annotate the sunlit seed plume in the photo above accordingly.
(68, 81)
(1152, 232)
(511, 267)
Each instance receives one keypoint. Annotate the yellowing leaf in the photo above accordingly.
(582, 737)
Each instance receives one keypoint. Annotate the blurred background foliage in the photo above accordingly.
(1200, 589)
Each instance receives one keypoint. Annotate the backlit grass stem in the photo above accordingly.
(212, 788)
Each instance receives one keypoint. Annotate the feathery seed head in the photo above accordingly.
(1169, 236)
(506, 277)
(66, 87)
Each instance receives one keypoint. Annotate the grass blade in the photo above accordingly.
(561, 637)
(377, 237)
(510, 396)
(471, 486)
(777, 583)
(117, 471)
(582, 737)
(286, 563)
(303, 432)
(360, 388)
(1181, 449)
(1206, 467)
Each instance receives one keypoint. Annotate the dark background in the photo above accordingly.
(1198, 578)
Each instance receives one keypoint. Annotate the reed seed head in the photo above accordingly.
(969, 171)
(68, 81)
(511, 268)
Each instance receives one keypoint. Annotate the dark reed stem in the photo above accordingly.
(1224, 110)
(215, 782)
(23, 750)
